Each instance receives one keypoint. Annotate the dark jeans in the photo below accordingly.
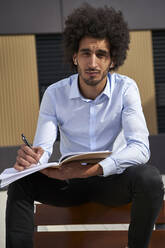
(141, 185)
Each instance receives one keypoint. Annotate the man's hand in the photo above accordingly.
(27, 156)
(73, 170)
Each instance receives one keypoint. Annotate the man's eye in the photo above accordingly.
(100, 55)
(86, 54)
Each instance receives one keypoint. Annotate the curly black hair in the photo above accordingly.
(103, 22)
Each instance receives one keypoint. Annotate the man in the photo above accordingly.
(94, 110)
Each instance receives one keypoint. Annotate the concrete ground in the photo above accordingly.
(3, 197)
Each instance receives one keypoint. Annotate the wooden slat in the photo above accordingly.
(92, 239)
(157, 239)
(90, 213)
(82, 239)
(161, 217)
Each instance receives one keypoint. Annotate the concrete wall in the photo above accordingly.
(47, 16)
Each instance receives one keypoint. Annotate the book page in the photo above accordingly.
(10, 175)
(86, 157)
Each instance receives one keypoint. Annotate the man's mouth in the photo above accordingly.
(92, 73)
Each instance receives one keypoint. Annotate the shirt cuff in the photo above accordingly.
(109, 167)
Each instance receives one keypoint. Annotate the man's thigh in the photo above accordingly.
(61, 193)
(38, 187)
(112, 190)
(120, 189)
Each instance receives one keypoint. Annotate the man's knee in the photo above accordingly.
(148, 179)
(20, 189)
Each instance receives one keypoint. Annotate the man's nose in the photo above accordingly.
(93, 61)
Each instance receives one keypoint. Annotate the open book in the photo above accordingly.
(10, 175)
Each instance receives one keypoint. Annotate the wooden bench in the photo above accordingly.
(90, 213)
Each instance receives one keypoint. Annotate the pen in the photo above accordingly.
(27, 143)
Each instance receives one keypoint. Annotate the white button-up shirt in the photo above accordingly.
(113, 121)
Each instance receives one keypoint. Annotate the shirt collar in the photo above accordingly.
(74, 89)
(107, 89)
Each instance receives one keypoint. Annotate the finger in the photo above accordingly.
(39, 151)
(25, 156)
(22, 162)
(18, 167)
(30, 153)
(20, 153)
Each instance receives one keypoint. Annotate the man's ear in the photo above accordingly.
(75, 59)
(111, 65)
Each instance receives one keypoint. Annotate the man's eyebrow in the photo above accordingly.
(97, 51)
(105, 52)
(85, 50)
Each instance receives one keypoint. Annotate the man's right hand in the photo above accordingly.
(27, 156)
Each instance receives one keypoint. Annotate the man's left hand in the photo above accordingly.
(73, 170)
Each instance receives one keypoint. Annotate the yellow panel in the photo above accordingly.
(19, 98)
(139, 66)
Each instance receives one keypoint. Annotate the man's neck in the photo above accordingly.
(91, 92)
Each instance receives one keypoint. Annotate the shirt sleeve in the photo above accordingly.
(136, 151)
(46, 132)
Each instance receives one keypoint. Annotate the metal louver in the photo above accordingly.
(50, 60)
(158, 39)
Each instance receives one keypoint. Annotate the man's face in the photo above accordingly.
(93, 61)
